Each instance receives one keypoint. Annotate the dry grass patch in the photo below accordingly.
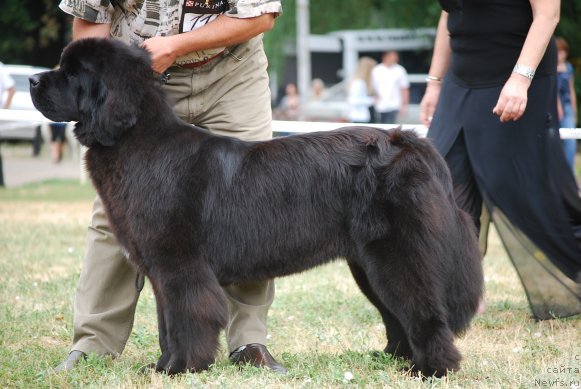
(321, 326)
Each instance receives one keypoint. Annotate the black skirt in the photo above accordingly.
(520, 172)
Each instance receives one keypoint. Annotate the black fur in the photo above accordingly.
(196, 211)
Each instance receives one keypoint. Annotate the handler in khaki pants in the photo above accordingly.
(225, 90)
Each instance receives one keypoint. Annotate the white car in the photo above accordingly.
(11, 131)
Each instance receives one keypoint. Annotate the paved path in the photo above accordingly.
(20, 170)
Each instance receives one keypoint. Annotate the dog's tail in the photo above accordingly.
(466, 283)
(458, 243)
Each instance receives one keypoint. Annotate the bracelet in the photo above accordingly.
(434, 78)
(524, 70)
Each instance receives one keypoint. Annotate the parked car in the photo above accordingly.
(19, 131)
(333, 107)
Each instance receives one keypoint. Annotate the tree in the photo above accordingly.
(33, 32)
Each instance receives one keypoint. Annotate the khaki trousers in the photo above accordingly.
(229, 96)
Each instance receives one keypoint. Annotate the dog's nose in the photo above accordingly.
(34, 80)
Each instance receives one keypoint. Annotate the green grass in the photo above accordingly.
(321, 326)
(50, 191)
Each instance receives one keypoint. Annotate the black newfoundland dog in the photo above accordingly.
(196, 211)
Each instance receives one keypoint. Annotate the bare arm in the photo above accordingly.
(512, 102)
(546, 15)
(12, 90)
(224, 31)
(442, 51)
(84, 29)
(438, 68)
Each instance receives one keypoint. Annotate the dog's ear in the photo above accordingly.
(113, 80)
(112, 109)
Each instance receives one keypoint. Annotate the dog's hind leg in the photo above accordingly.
(397, 341)
(403, 280)
(194, 311)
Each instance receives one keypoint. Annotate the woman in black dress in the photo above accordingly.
(491, 109)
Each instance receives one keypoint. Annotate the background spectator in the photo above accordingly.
(391, 86)
(567, 98)
(57, 140)
(360, 90)
(289, 106)
(318, 89)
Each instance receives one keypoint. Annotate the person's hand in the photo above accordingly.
(512, 101)
(161, 51)
(429, 101)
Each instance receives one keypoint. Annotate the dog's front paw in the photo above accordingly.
(437, 367)
(178, 363)
(399, 350)
(172, 366)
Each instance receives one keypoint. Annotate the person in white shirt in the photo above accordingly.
(360, 92)
(391, 86)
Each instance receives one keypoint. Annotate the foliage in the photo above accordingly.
(33, 32)
(569, 26)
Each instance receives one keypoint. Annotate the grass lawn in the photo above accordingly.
(321, 326)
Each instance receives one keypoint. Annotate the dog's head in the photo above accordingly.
(99, 84)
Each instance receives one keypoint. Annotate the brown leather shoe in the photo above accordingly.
(257, 355)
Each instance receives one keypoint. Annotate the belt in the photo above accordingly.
(194, 65)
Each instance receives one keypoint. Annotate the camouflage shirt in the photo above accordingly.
(134, 21)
